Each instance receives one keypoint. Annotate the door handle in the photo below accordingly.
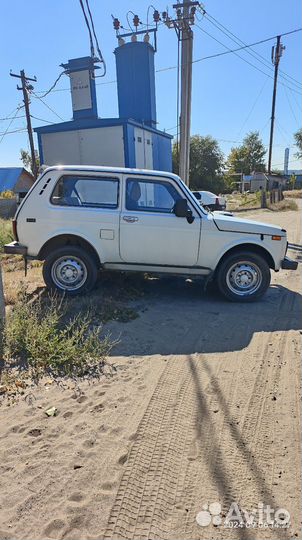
(130, 219)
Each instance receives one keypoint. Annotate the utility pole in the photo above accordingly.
(277, 52)
(185, 18)
(25, 89)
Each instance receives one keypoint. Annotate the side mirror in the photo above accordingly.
(181, 208)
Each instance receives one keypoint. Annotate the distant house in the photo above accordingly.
(261, 180)
(15, 179)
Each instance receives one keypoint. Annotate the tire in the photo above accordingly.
(70, 270)
(243, 277)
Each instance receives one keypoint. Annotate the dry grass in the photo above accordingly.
(283, 206)
(252, 201)
(39, 338)
(240, 202)
(109, 301)
(6, 233)
(14, 277)
(293, 194)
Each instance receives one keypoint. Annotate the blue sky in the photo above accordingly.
(230, 97)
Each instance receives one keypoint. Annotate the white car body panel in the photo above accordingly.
(233, 224)
(154, 241)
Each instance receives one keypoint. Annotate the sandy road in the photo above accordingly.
(223, 422)
(204, 409)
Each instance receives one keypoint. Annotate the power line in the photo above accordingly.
(53, 86)
(127, 17)
(229, 51)
(41, 119)
(12, 118)
(290, 106)
(295, 100)
(68, 89)
(253, 106)
(256, 55)
(91, 31)
(96, 40)
(279, 164)
(282, 128)
(244, 59)
(9, 116)
(88, 28)
(19, 130)
(48, 107)
(9, 125)
(197, 60)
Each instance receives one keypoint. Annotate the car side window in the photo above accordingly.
(152, 196)
(87, 191)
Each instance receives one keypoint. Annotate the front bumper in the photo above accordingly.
(289, 264)
(14, 248)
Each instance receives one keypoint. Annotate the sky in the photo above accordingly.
(230, 97)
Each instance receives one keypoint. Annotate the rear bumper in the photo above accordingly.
(14, 248)
(289, 264)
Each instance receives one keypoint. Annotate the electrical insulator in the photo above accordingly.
(178, 13)
(136, 20)
(156, 16)
(192, 15)
(164, 15)
(116, 24)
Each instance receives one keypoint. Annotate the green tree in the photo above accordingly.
(249, 156)
(298, 143)
(206, 163)
(25, 157)
(292, 181)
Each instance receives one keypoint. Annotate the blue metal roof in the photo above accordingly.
(9, 176)
(87, 123)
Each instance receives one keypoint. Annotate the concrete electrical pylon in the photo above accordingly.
(185, 18)
(277, 52)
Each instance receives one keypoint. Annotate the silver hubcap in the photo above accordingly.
(244, 278)
(69, 273)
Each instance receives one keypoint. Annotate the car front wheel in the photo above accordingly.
(243, 277)
(70, 270)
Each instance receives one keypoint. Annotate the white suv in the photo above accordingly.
(82, 219)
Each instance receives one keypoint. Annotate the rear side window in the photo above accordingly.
(86, 191)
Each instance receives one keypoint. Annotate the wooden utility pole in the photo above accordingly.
(276, 55)
(185, 18)
(25, 88)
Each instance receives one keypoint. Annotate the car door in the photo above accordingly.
(150, 233)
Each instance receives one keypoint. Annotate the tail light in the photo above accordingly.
(15, 233)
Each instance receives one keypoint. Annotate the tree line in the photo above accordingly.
(210, 170)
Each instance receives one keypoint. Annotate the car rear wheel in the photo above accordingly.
(70, 270)
(243, 277)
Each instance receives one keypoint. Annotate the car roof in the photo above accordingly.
(207, 193)
(122, 170)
